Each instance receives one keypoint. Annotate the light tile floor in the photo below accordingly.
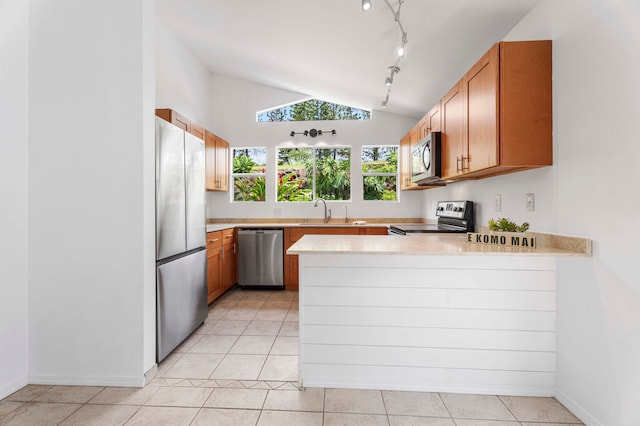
(241, 368)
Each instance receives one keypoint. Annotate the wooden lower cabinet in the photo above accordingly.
(214, 266)
(229, 259)
(293, 234)
(221, 262)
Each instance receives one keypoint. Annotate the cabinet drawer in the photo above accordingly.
(228, 236)
(214, 239)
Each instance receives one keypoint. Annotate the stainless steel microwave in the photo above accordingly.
(425, 160)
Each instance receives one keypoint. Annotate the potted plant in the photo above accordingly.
(504, 232)
(505, 225)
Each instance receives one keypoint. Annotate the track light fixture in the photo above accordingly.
(313, 133)
(392, 70)
(366, 5)
(386, 99)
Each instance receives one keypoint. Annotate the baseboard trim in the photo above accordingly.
(122, 381)
(151, 374)
(17, 384)
(577, 409)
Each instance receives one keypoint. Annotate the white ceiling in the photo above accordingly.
(332, 50)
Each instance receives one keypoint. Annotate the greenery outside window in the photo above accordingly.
(313, 110)
(248, 175)
(380, 172)
(306, 174)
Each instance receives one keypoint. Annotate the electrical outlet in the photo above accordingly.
(530, 202)
(497, 203)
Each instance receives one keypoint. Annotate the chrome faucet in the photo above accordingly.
(326, 218)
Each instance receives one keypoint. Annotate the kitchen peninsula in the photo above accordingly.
(429, 313)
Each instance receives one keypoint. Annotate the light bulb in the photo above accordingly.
(388, 81)
(366, 5)
(384, 104)
(400, 51)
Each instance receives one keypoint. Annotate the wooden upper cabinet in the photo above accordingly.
(430, 122)
(509, 110)
(222, 164)
(181, 121)
(173, 117)
(217, 162)
(526, 138)
(454, 146)
(197, 131)
(497, 119)
(406, 143)
(481, 87)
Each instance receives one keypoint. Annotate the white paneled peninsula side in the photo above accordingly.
(427, 313)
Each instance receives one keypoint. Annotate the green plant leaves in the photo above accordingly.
(506, 225)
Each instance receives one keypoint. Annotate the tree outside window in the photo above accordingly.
(380, 172)
(306, 174)
(312, 110)
(249, 167)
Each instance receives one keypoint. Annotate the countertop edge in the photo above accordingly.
(430, 244)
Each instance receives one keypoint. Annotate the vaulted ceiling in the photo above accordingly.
(332, 50)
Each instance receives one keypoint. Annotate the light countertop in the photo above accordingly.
(429, 244)
(212, 227)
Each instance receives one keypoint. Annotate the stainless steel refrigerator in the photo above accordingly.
(181, 260)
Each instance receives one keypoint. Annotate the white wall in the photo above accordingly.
(182, 83)
(14, 39)
(233, 117)
(591, 191)
(90, 191)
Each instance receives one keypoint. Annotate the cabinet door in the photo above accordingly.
(222, 164)
(406, 143)
(430, 122)
(173, 117)
(434, 119)
(481, 87)
(374, 230)
(453, 131)
(195, 130)
(229, 259)
(214, 273)
(210, 160)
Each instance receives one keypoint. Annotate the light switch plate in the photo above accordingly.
(530, 202)
(497, 203)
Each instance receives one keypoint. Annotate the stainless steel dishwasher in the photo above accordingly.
(260, 258)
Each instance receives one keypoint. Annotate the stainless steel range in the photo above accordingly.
(453, 216)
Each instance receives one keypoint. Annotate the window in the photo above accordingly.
(313, 110)
(249, 174)
(295, 174)
(306, 174)
(380, 172)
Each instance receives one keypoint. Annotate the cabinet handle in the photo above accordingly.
(214, 240)
(462, 163)
(458, 165)
(229, 236)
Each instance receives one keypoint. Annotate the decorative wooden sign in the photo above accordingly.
(513, 239)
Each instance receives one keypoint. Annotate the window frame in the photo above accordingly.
(250, 175)
(314, 171)
(382, 174)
